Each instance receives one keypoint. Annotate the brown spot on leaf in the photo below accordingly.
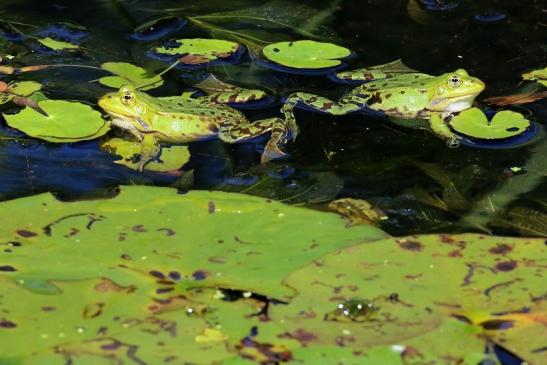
(506, 265)
(168, 231)
(327, 106)
(139, 228)
(211, 207)
(191, 59)
(501, 249)
(374, 99)
(497, 324)
(93, 310)
(263, 353)
(4, 323)
(455, 253)
(7, 268)
(25, 233)
(107, 285)
(48, 308)
(300, 335)
(200, 275)
(410, 245)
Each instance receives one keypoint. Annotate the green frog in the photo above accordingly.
(179, 119)
(409, 99)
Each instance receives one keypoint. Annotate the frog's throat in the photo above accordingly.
(453, 104)
(142, 123)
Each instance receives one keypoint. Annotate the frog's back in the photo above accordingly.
(186, 119)
(402, 96)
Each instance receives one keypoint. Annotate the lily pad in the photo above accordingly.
(57, 45)
(128, 73)
(306, 54)
(504, 124)
(537, 75)
(111, 272)
(66, 121)
(198, 51)
(172, 158)
(430, 292)
(21, 88)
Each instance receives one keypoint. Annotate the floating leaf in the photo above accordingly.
(473, 123)
(198, 51)
(537, 75)
(306, 54)
(128, 73)
(171, 158)
(21, 88)
(57, 45)
(65, 121)
(422, 286)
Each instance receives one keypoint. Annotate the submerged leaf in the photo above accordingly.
(171, 158)
(57, 45)
(128, 73)
(504, 124)
(305, 54)
(65, 121)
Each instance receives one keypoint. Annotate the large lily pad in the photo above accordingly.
(65, 121)
(109, 282)
(305, 54)
(420, 286)
(197, 51)
(127, 73)
(504, 124)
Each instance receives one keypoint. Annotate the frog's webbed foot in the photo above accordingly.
(150, 149)
(441, 129)
(240, 132)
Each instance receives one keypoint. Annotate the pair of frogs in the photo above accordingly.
(408, 99)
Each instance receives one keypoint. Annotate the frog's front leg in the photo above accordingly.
(244, 131)
(440, 128)
(150, 149)
(348, 104)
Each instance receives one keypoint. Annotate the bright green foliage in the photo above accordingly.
(197, 50)
(172, 158)
(113, 276)
(305, 54)
(66, 121)
(129, 74)
(473, 123)
(136, 277)
(537, 75)
(21, 88)
(57, 45)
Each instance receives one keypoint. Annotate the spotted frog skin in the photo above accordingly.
(408, 99)
(153, 120)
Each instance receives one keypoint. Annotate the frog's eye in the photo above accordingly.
(127, 98)
(454, 81)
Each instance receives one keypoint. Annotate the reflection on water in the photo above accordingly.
(422, 185)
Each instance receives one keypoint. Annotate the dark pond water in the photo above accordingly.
(422, 185)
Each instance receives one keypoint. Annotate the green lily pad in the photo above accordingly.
(21, 88)
(172, 158)
(198, 51)
(537, 75)
(108, 282)
(305, 54)
(473, 123)
(480, 287)
(66, 121)
(57, 45)
(128, 73)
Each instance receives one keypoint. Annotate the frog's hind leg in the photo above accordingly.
(245, 131)
(348, 104)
